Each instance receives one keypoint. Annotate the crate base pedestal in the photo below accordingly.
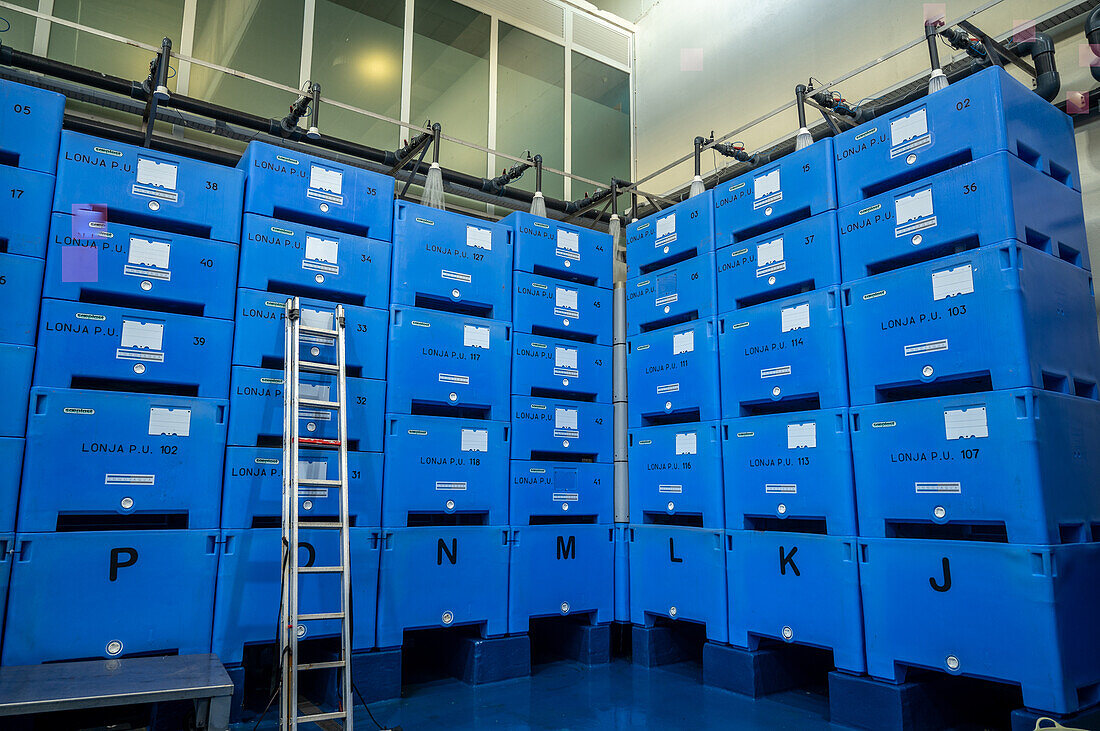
(477, 660)
(662, 645)
(1025, 720)
(376, 675)
(588, 644)
(757, 673)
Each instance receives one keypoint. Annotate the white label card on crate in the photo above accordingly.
(565, 419)
(328, 180)
(950, 282)
(769, 252)
(320, 249)
(766, 185)
(475, 337)
(965, 423)
(666, 229)
(911, 207)
(312, 469)
(315, 391)
(565, 357)
(169, 422)
(480, 238)
(686, 443)
(683, 342)
(908, 127)
(148, 253)
(795, 318)
(569, 241)
(565, 299)
(157, 174)
(802, 435)
(142, 335)
(318, 319)
(475, 440)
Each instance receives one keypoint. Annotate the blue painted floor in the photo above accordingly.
(566, 695)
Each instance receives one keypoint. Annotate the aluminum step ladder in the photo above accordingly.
(296, 488)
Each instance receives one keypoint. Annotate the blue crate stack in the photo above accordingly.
(117, 530)
(675, 539)
(445, 492)
(318, 230)
(30, 132)
(972, 358)
(562, 471)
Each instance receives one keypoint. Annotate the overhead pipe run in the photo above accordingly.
(307, 102)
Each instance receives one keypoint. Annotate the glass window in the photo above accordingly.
(262, 39)
(147, 21)
(17, 29)
(357, 48)
(450, 78)
(601, 123)
(531, 104)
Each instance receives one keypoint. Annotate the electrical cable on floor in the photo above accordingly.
(365, 708)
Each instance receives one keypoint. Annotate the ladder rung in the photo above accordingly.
(330, 525)
(334, 405)
(317, 331)
(319, 442)
(315, 717)
(315, 367)
(319, 616)
(311, 482)
(328, 664)
(320, 569)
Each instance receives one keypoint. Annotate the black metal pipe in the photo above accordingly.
(933, 50)
(1092, 35)
(800, 102)
(538, 173)
(1041, 50)
(699, 142)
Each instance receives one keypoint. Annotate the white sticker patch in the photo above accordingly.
(671, 489)
(912, 207)
(142, 335)
(148, 253)
(169, 422)
(965, 423)
(782, 489)
(319, 249)
(312, 469)
(686, 443)
(795, 318)
(475, 337)
(565, 419)
(932, 346)
(315, 391)
(683, 342)
(935, 488)
(475, 440)
(909, 127)
(802, 435)
(157, 174)
(479, 238)
(769, 252)
(328, 180)
(569, 244)
(565, 357)
(950, 282)
(318, 319)
(765, 185)
(666, 230)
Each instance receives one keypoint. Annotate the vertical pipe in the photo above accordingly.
(618, 352)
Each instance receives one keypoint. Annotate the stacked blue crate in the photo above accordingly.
(973, 363)
(320, 231)
(562, 473)
(30, 132)
(675, 539)
(132, 358)
(445, 487)
(789, 497)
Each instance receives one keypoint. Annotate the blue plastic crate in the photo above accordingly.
(553, 308)
(1018, 614)
(466, 568)
(935, 217)
(798, 258)
(561, 250)
(7, 545)
(451, 261)
(440, 465)
(11, 466)
(678, 232)
(283, 256)
(25, 205)
(672, 373)
(1023, 461)
(30, 126)
(83, 345)
(678, 573)
(978, 116)
(149, 188)
(260, 334)
(246, 609)
(561, 571)
(99, 453)
(562, 490)
(445, 360)
(110, 593)
(295, 186)
(681, 292)
(794, 187)
(555, 429)
(1004, 317)
(783, 355)
(790, 466)
(148, 269)
(256, 409)
(20, 291)
(252, 491)
(622, 573)
(676, 470)
(17, 365)
(571, 369)
(798, 588)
